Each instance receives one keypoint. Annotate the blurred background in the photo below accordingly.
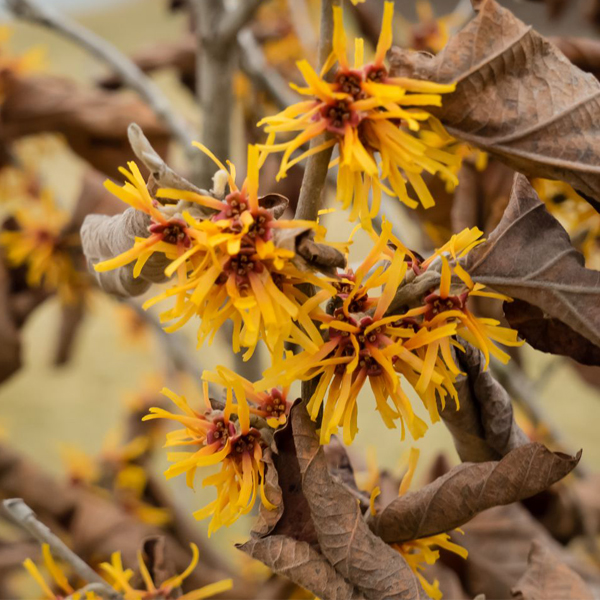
(54, 414)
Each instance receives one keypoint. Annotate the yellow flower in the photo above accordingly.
(217, 439)
(58, 577)
(362, 343)
(167, 589)
(38, 244)
(449, 305)
(272, 406)
(365, 113)
(419, 553)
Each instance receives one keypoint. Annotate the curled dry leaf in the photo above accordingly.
(468, 489)
(159, 564)
(104, 237)
(529, 256)
(309, 254)
(499, 543)
(344, 538)
(484, 428)
(517, 97)
(547, 578)
(94, 122)
(549, 335)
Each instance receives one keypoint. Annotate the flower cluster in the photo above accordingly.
(34, 238)
(229, 264)
(226, 437)
(366, 112)
(367, 337)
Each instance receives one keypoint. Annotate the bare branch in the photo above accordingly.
(25, 517)
(163, 175)
(255, 65)
(317, 165)
(34, 11)
(234, 21)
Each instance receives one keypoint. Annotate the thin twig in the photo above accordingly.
(315, 174)
(25, 517)
(34, 12)
(303, 28)
(255, 65)
(235, 20)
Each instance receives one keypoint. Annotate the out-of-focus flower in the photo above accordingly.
(216, 438)
(365, 113)
(576, 215)
(39, 244)
(32, 60)
(59, 579)
(119, 471)
(429, 33)
(229, 264)
(167, 589)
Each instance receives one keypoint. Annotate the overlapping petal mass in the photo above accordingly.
(230, 265)
(361, 340)
(385, 137)
(214, 437)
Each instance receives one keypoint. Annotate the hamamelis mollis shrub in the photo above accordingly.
(386, 330)
(230, 260)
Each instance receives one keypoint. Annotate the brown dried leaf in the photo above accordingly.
(517, 97)
(484, 428)
(344, 538)
(94, 122)
(276, 204)
(104, 237)
(549, 335)
(303, 564)
(547, 578)
(159, 564)
(499, 541)
(469, 489)
(529, 256)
